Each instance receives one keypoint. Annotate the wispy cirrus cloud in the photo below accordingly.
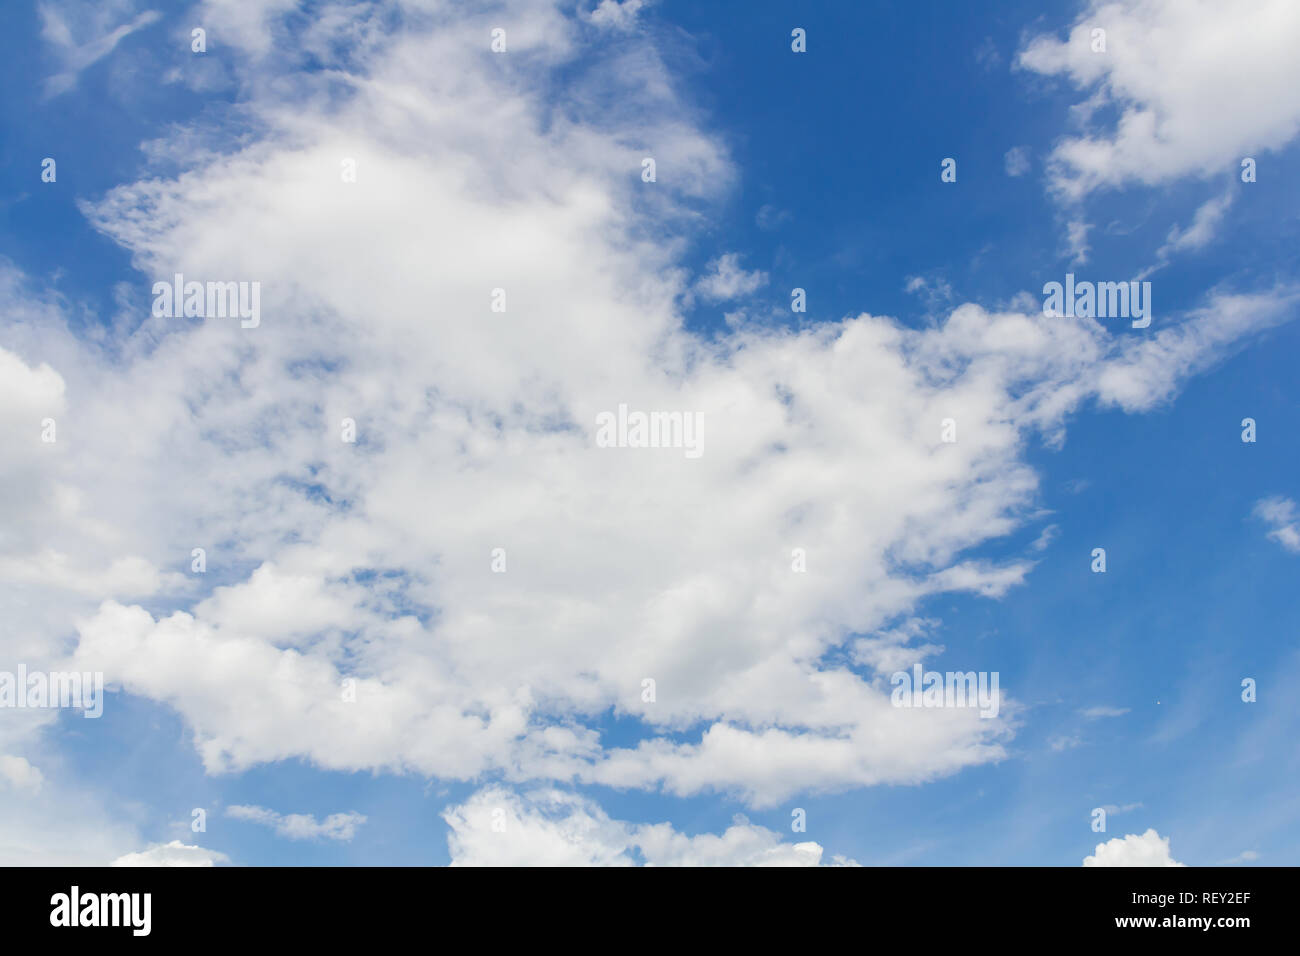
(300, 826)
(1283, 520)
(1095, 713)
(81, 34)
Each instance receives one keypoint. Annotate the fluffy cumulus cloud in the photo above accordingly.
(546, 827)
(352, 613)
(1147, 849)
(174, 853)
(19, 774)
(1193, 86)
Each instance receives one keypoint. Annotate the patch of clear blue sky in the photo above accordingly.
(843, 144)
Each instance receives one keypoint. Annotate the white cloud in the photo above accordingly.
(1149, 370)
(1016, 161)
(1280, 513)
(1245, 856)
(1046, 537)
(725, 279)
(1093, 713)
(935, 291)
(1205, 226)
(301, 826)
(1149, 849)
(283, 606)
(496, 827)
(249, 27)
(1076, 239)
(81, 34)
(174, 853)
(891, 650)
(1198, 84)
(17, 773)
(371, 561)
(1113, 809)
(619, 16)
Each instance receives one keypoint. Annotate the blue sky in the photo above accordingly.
(817, 170)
